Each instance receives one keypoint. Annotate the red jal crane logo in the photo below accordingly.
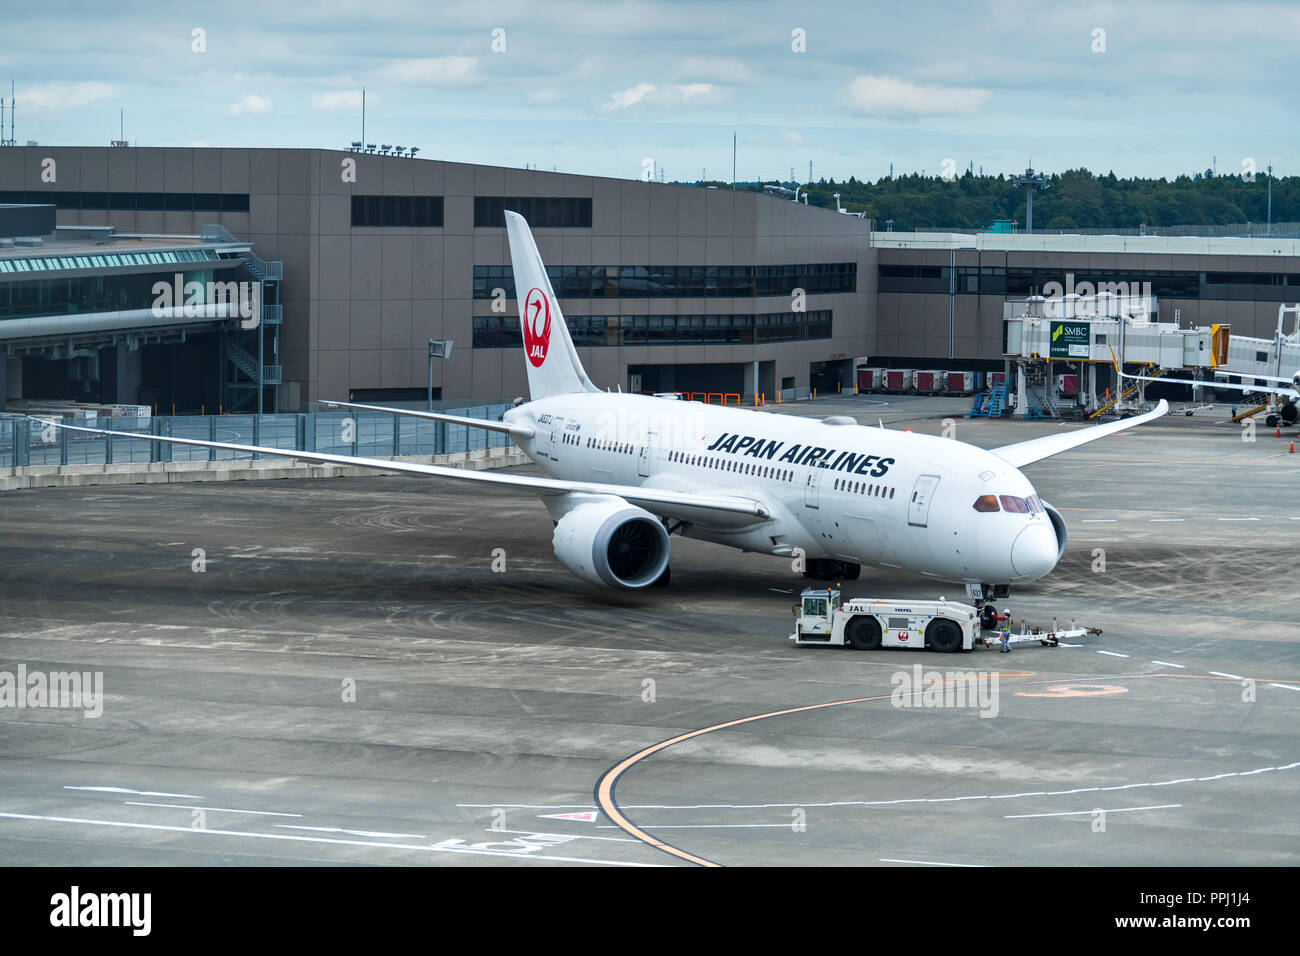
(537, 326)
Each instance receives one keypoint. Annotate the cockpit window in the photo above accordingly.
(986, 503)
(1035, 504)
(1014, 504)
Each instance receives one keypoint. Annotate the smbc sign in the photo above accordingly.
(1071, 340)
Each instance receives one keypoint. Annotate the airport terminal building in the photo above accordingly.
(358, 260)
(364, 258)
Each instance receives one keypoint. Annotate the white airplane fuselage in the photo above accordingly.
(842, 492)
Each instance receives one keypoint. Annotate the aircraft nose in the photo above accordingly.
(1034, 552)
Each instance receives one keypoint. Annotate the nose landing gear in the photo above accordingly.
(979, 593)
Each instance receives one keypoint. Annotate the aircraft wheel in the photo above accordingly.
(820, 569)
(850, 571)
(943, 635)
(863, 633)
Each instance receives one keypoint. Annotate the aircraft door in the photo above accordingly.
(918, 512)
(812, 489)
(643, 460)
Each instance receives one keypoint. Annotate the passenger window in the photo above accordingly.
(986, 503)
(1014, 505)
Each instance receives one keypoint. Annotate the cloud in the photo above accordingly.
(676, 96)
(349, 100)
(63, 96)
(888, 96)
(544, 96)
(250, 105)
(629, 97)
(432, 70)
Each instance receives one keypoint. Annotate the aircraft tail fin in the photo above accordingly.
(550, 358)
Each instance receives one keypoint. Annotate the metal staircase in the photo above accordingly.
(248, 374)
(990, 404)
(1040, 398)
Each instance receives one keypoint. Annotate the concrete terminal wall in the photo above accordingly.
(263, 469)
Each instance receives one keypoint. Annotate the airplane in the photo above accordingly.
(1287, 413)
(624, 472)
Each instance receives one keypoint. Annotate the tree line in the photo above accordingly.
(1075, 199)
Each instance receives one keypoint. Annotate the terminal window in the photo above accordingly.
(418, 211)
(542, 212)
(182, 202)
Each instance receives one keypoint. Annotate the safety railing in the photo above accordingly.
(357, 433)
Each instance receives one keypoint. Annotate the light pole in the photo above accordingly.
(1030, 180)
(1270, 199)
(438, 348)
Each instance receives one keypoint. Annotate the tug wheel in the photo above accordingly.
(863, 633)
(943, 635)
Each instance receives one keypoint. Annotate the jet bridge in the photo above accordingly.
(1075, 334)
(1278, 357)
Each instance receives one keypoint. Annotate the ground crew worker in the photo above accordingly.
(1000, 622)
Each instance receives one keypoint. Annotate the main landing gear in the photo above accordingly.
(828, 569)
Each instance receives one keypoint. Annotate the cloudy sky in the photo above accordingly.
(1140, 88)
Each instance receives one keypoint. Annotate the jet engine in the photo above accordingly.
(1058, 525)
(607, 541)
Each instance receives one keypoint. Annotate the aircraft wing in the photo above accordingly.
(656, 500)
(1290, 392)
(520, 430)
(1036, 449)
(1266, 378)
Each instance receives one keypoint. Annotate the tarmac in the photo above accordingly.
(388, 670)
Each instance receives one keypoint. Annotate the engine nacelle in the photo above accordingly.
(607, 541)
(1058, 525)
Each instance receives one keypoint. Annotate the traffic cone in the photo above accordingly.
(1279, 432)
(1293, 448)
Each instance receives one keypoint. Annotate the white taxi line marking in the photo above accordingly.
(1222, 674)
(929, 863)
(1075, 813)
(1167, 664)
(138, 793)
(377, 834)
(886, 803)
(424, 848)
(1112, 653)
(181, 806)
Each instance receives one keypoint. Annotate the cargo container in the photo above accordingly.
(929, 381)
(898, 380)
(960, 383)
(1069, 385)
